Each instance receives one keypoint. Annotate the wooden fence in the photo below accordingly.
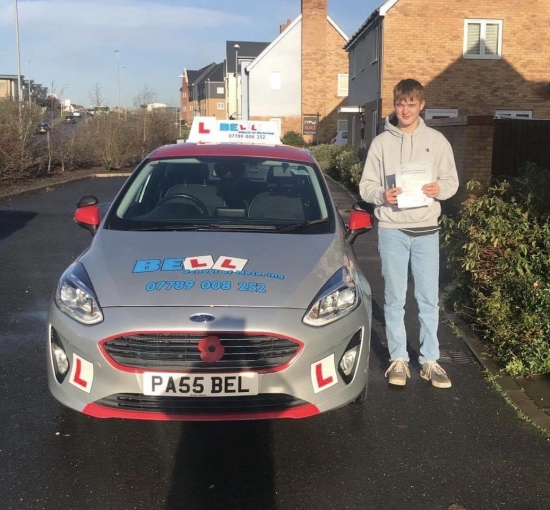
(519, 141)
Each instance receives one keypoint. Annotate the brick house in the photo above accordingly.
(193, 92)
(474, 58)
(300, 79)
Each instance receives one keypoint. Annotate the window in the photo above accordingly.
(342, 125)
(440, 113)
(482, 39)
(343, 82)
(275, 81)
(221, 106)
(220, 90)
(514, 114)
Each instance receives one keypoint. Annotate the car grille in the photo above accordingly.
(180, 352)
(201, 405)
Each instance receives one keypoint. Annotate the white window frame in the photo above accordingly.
(221, 106)
(483, 23)
(342, 125)
(220, 90)
(275, 80)
(514, 114)
(441, 113)
(343, 92)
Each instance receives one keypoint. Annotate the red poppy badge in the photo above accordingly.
(211, 349)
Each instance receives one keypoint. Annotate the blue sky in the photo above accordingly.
(72, 42)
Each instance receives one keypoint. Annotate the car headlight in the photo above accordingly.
(335, 300)
(75, 296)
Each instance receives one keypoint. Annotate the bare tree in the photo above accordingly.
(96, 96)
(145, 96)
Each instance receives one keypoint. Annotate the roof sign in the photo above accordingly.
(211, 130)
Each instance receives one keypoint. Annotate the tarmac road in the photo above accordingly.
(412, 448)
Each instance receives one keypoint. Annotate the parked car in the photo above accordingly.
(341, 138)
(69, 119)
(43, 128)
(221, 285)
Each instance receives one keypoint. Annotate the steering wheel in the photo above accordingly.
(201, 206)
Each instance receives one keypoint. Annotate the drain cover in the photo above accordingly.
(455, 356)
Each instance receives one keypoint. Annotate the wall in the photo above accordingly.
(424, 40)
(471, 138)
(323, 58)
(284, 57)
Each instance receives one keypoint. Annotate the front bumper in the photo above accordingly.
(291, 392)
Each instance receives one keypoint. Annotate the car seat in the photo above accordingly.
(195, 178)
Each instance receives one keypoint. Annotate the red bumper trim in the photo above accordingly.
(98, 411)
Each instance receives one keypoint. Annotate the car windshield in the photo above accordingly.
(224, 193)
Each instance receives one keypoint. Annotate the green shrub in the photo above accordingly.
(499, 250)
(293, 138)
(344, 163)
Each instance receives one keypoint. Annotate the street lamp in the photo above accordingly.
(236, 46)
(124, 95)
(29, 83)
(19, 90)
(180, 88)
(118, 77)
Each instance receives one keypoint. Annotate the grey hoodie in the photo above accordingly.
(394, 147)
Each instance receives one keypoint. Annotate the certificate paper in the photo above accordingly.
(410, 177)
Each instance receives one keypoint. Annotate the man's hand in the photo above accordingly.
(431, 190)
(390, 195)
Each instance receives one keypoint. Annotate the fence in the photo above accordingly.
(519, 141)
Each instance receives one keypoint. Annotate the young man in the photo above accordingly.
(414, 161)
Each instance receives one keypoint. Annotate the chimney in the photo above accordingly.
(315, 7)
(284, 26)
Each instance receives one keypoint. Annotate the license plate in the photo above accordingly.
(203, 385)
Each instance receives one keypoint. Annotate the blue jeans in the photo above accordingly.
(396, 249)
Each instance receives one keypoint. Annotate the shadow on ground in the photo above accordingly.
(12, 221)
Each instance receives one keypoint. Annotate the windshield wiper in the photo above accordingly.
(207, 226)
(166, 228)
(303, 224)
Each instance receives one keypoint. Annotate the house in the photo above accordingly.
(474, 59)
(9, 86)
(238, 55)
(203, 93)
(211, 97)
(301, 79)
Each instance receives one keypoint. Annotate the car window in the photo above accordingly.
(242, 192)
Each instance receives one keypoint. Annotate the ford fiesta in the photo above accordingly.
(220, 285)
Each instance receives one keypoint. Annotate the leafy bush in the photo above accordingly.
(293, 138)
(344, 163)
(499, 250)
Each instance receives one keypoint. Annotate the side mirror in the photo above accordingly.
(87, 213)
(361, 205)
(360, 220)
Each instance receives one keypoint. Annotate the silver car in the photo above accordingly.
(220, 285)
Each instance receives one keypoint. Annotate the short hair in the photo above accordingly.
(408, 89)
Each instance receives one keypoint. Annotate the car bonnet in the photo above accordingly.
(211, 268)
